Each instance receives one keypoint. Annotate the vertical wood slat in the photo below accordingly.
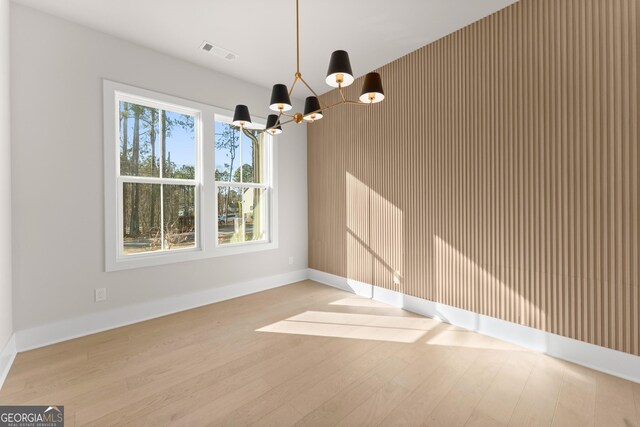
(500, 175)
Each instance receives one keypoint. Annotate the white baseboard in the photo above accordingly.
(64, 330)
(7, 355)
(610, 361)
(603, 359)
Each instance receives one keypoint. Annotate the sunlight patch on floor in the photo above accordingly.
(360, 302)
(354, 326)
(470, 339)
(403, 322)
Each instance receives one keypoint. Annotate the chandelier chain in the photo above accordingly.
(297, 39)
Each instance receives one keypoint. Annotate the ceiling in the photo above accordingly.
(262, 32)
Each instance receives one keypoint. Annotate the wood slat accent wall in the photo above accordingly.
(500, 175)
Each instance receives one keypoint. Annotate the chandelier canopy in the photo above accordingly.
(339, 75)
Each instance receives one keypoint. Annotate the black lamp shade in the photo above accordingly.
(272, 120)
(372, 91)
(280, 98)
(339, 69)
(312, 109)
(241, 116)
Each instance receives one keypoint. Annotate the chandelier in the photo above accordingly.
(339, 75)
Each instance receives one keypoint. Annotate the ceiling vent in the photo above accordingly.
(218, 51)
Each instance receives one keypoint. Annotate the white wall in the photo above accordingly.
(57, 69)
(6, 324)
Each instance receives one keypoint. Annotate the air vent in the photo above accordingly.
(218, 51)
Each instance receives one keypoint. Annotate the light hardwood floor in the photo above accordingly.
(307, 354)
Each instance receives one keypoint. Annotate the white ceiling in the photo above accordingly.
(262, 32)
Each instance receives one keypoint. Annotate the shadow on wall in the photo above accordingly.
(374, 237)
(459, 278)
(380, 240)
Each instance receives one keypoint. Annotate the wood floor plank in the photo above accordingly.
(377, 406)
(415, 409)
(313, 397)
(283, 416)
(343, 403)
(216, 409)
(458, 404)
(479, 419)
(539, 398)
(577, 398)
(636, 395)
(254, 411)
(197, 387)
(614, 402)
(51, 368)
(163, 369)
(216, 365)
(422, 368)
(503, 394)
(232, 419)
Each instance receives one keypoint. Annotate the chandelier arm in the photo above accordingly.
(276, 125)
(280, 123)
(341, 93)
(363, 104)
(295, 80)
(348, 102)
(309, 87)
(335, 104)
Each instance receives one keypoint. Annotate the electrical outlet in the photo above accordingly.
(291, 260)
(101, 294)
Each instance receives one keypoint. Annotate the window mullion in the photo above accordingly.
(120, 219)
(162, 216)
(242, 221)
(243, 185)
(152, 180)
(241, 163)
(161, 129)
(243, 226)
(208, 204)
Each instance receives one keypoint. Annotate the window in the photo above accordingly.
(181, 182)
(157, 176)
(241, 184)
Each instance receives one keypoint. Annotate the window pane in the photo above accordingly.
(227, 140)
(252, 149)
(228, 204)
(141, 218)
(179, 205)
(139, 140)
(241, 215)
(253, 214)
(178, 139)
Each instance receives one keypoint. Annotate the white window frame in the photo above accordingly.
(206, 221)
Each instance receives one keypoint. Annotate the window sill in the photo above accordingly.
(183, 255)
